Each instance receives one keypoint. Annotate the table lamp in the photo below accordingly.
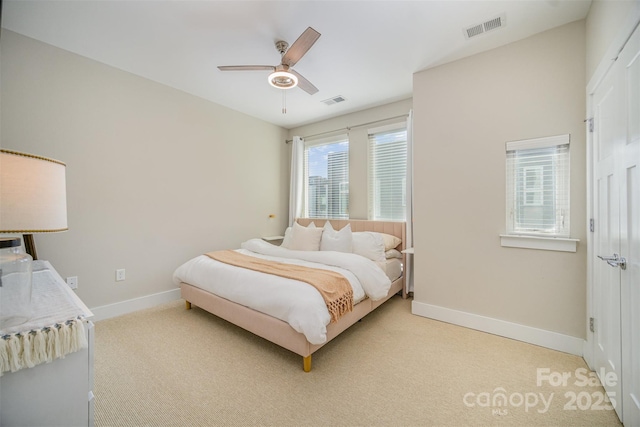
(33, 196)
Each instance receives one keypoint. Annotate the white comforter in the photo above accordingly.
(292, 301)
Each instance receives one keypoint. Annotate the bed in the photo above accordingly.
(196, 291)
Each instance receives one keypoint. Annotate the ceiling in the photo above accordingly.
(367, 53)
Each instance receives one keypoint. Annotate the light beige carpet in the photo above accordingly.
(171, 367)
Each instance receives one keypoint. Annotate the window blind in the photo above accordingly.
(326, 177)
(388, 173)
(538, 174)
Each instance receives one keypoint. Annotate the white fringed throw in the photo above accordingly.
(55, 329)
(28, 349)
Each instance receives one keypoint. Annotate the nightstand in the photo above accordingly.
(274, 240)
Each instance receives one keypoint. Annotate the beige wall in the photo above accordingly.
(154, 176)
(465, 111)
(146, 164)
(603, 24)
(358, 146)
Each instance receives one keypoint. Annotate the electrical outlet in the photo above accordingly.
(72, 282)
(120, 275)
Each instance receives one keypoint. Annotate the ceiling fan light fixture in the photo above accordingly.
(283, 80)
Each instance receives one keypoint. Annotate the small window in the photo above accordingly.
(538, 187)
(388, 173)
(326, 177)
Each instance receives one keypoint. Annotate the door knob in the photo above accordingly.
(615, 261)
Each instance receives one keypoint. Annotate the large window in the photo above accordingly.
(538, 186)
(326, 177)
(388, 173)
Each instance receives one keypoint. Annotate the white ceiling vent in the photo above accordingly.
(490, 25)
(334, 100)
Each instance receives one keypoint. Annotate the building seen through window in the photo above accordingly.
(327, 180)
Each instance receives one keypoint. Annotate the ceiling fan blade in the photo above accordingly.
(303, 83)
(300, 46)
(246, 67)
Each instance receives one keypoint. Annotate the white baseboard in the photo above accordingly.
(541, 337)
(587, 354)
(129, 306)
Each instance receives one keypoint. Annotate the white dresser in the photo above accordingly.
(59, 393)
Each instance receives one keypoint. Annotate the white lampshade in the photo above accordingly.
(33, 194)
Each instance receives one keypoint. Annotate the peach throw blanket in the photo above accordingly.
(334, 287)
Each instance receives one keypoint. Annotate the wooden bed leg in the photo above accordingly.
(188, 305)
(306, 363)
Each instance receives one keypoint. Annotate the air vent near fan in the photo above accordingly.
(334, 100)
(490, 25)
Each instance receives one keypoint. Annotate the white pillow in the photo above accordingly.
(390, 242)
(288, 233)
(286, 242)
(369, 245)
(393, 253)
(305, 238)
(332, 240)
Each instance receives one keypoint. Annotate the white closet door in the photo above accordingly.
(616, 198)
(629, 60)
(607, 137)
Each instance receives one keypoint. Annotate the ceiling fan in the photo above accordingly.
(283, 76)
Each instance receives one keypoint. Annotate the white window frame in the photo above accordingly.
(556, 237)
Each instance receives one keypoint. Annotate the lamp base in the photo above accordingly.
(30, 245)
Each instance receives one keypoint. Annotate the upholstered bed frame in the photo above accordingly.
(278, 331)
